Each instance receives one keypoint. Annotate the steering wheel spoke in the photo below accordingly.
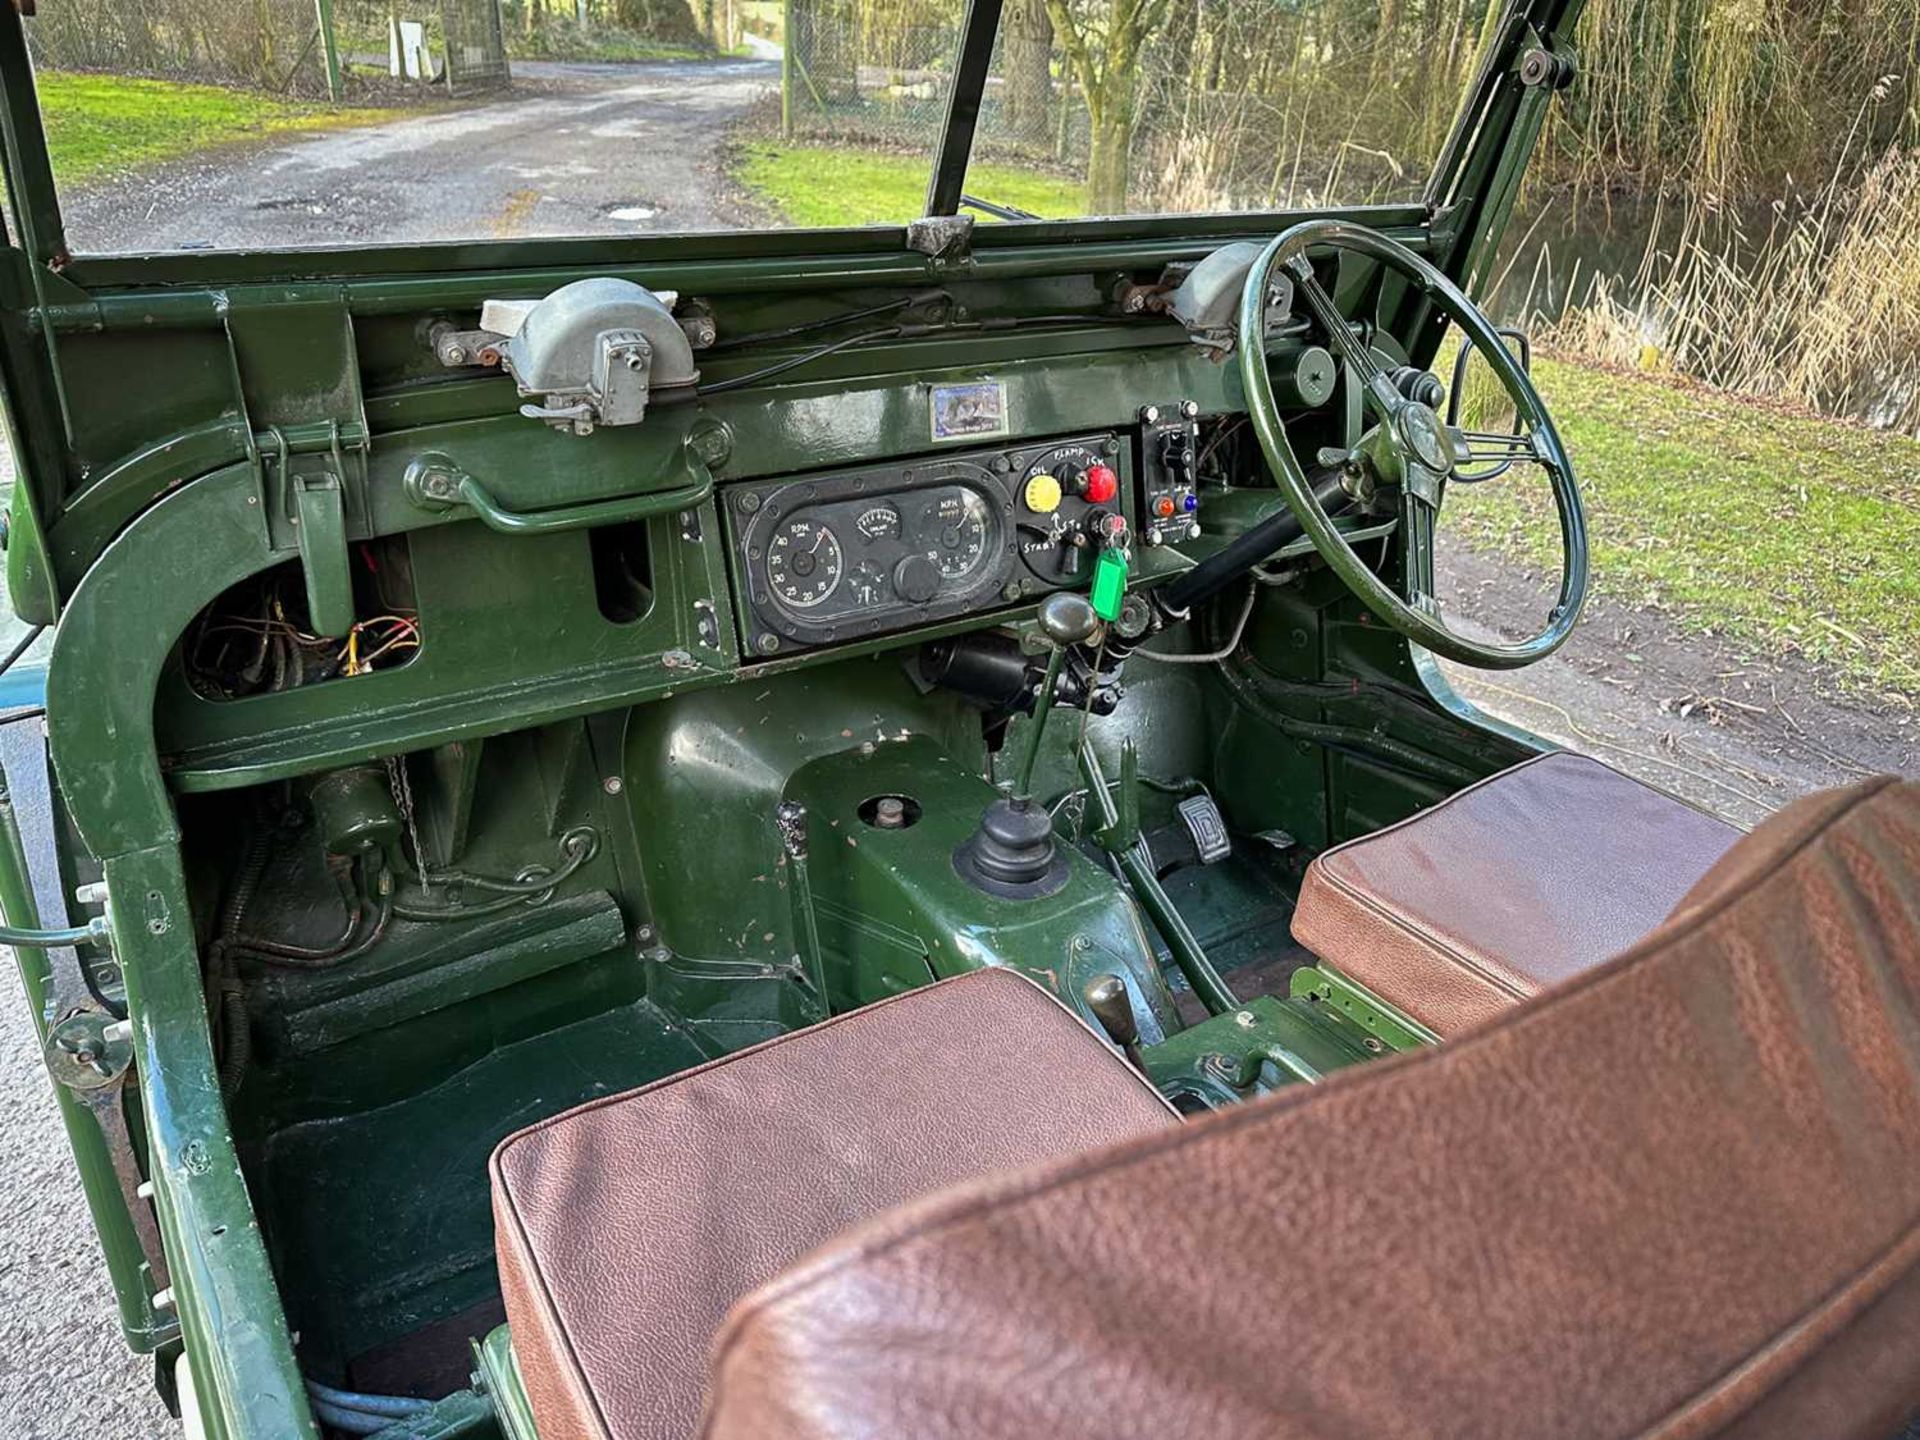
(1481, 455)
(1419, 523)
(1410, 447)
(1376, 388)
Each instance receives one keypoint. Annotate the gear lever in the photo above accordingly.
(1066, 619)
(1012, 853)
(1107, 998)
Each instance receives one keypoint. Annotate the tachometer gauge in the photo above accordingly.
(804, 563)
(956, 533)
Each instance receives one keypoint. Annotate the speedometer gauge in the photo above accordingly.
(804, 563)
(956, 533)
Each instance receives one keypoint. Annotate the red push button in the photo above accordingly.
(1102, 484)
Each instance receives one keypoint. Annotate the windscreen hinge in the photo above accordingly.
(1541, 67)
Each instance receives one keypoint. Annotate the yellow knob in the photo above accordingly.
(1043, 494)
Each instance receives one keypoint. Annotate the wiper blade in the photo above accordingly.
(999, 212)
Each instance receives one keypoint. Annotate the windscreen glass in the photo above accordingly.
(266, 124)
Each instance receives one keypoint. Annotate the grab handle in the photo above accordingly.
(433, 482)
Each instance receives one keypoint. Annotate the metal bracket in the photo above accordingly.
(946, 238)
(321, 515)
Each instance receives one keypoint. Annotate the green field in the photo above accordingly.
(818, 185)
(1785, 531)
(106, 124)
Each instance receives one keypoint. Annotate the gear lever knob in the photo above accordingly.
(1067, 618)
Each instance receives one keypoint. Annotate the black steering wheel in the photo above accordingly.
(1409, 447)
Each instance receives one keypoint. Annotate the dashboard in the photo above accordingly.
(832, 558)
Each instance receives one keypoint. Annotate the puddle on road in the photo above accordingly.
(631, 212)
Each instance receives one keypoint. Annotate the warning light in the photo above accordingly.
(1101, 484)
(1163, 507)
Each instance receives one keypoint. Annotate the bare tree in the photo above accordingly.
(1028, 70)
(1106, 62)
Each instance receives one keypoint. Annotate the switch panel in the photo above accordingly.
(1060, 540)
(1169, 483)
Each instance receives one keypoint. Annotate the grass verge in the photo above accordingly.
(106, 124)
(815, 185)
(566, 41)
(1785, 531)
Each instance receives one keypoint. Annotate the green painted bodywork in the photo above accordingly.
(500, 1376)
(185, 423)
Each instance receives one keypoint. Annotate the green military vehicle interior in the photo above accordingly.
(575, 795)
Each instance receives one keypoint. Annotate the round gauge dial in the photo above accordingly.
(878, 522)
(956, 533)
(804, 563)
(867, 583)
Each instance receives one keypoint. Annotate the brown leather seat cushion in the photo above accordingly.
(628, 1226)
(1505, 889)
(1679, 1196)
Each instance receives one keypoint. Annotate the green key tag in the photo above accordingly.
(1109, 583)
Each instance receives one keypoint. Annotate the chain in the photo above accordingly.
(402, 789)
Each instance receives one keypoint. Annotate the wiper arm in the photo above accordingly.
(999, 212)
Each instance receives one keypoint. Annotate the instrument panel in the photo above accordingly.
(838, 557)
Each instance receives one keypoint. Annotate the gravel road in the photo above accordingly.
(572, 150)
(1735, 732)
(64, 1369)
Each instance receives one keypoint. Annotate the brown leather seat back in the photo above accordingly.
(1679, 1196)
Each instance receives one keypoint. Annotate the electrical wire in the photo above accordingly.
(349, 1422)
(394, 1407)
(281, 959)
(911, 332)
(827, 322)
(100, 997)
(794, 362)
(1214, 657)
(1221, 433)
(26, 644)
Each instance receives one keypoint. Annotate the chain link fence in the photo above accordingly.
(871, 71)
(1221, 104)
(311, 49)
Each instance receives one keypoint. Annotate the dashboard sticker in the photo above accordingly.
(971, 411)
